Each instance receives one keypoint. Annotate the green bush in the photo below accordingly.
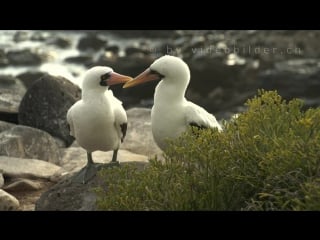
(268, 158)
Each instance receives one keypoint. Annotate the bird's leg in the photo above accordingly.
(89, 159)
(114, 158)
(86, 173)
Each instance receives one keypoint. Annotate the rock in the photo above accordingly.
(81, 59)
(60, 142)
(68, 196)
(27, 168)
(28, 197)
(46, 103)
(8, 202)
(61, 42)
(25, 57)
(75, 158)
(11, 93)
(114, 49)
(23, 185)
(26, 142)
(1, 179)
(298, 78)
(40, 36)
(5, 126)
(139, 137)
(91, 42)
(3, 59)
(135, 50)
(21, 36)
(28, 78)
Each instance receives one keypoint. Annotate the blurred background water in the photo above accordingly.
(227, 67)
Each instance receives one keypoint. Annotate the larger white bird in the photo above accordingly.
(171, 113)
(98, 121)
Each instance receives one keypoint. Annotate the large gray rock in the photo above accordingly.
(69, 196)
(11, 93)
(46, 103)
(26, 142)
(139, 137)
(8, 202)
(27, 168)
(5, 126)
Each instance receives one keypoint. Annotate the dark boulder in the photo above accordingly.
(46, 103)
(91, 42)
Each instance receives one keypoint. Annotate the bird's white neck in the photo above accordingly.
(170, 91)
(94, 95)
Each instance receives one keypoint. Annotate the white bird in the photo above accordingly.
(172, 113)
(98, 121)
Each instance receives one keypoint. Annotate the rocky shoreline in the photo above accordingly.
(227, 67)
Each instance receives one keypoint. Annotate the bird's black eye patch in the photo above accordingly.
(157, 73)
(104, 78)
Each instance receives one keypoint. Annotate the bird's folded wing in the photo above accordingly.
(197, 116)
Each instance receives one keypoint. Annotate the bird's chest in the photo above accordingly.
(167, 123)
(95, 119)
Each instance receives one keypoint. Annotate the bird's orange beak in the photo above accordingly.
(116, 78)
(146, 76)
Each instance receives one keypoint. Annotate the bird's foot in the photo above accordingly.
(86, 174)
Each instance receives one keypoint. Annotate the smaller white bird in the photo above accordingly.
(171, 113)
(98, 121)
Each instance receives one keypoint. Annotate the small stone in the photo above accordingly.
(23, 185)
(8, 202)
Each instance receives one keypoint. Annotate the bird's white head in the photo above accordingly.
(167, 68)
(100, 77)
